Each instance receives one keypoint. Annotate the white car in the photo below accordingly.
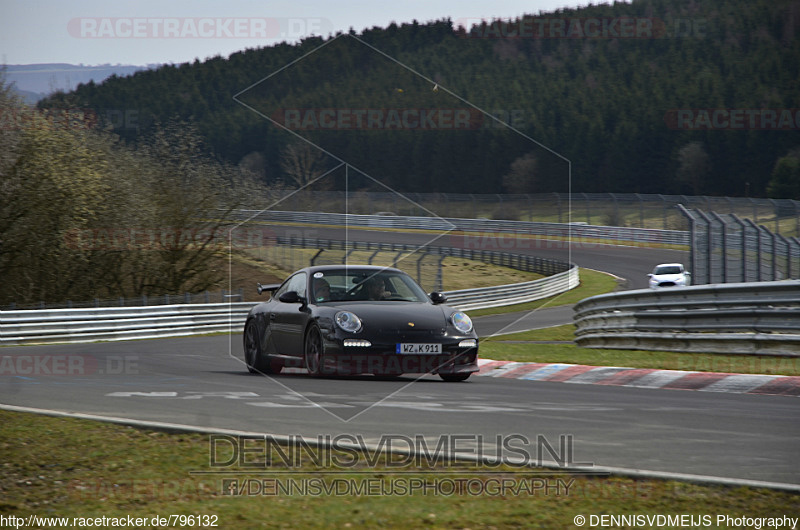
(669, 275)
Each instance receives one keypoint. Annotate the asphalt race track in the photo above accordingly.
(202, 382)
(194, 381)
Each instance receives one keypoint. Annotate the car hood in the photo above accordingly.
(397, 315)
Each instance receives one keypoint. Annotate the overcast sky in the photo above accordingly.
(175, 31)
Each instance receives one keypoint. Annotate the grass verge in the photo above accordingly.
(523, 347)
(592, 283)
(77, 468)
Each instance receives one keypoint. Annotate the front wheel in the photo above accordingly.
(314, 351)
(454, 378)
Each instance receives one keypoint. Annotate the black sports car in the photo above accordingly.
(358, 319)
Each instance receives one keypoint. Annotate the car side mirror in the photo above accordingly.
(291, 297)
(650, 275)
(437, 297)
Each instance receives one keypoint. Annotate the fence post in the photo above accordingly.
(796, 244)
(743, 226)
(641, 210)
(787, 244)
(692, 253)
(709, 246)
(758, 247)
(588, 215)
(724, 246)
(774, 255)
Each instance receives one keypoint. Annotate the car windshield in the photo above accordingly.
(668, 269)
(350, 284)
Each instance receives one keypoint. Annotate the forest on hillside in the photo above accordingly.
(652, 96)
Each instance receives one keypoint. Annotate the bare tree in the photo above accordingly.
(693, 165)
(302, 163)
(522, 176)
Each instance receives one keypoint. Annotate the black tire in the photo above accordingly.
(254, 356)
(454, 378)
(314, 351)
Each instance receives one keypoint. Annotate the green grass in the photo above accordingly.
(592, 283)
(77, 468)
(503, 348)
(457, 273)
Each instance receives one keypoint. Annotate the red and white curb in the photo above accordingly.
(781, 385)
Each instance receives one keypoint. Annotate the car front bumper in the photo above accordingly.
(384, 360)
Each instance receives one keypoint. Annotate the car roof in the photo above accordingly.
(323, 268)
(670, 265)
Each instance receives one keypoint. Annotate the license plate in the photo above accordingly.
(419, 348)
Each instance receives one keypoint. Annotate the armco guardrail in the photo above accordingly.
(577, 232)
(119, 323)
(516, 293)
(125, 323)
(750, 318)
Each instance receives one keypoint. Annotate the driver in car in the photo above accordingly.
(376, 290)
(322, 290)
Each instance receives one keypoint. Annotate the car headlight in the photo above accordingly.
(461, 321)
(348, 321)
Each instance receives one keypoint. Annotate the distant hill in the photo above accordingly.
(652, 96)
(30, 98)
(36, 81)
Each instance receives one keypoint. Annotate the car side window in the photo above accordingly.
(298, 283)
(294, 283)
(282, 289)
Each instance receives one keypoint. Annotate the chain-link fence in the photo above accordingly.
(424, 267)
(726, 248)
(637, 210)
(424, 264)
(206, 297)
